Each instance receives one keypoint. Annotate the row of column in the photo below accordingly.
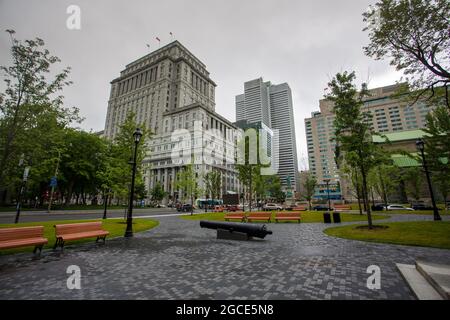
(166, 177)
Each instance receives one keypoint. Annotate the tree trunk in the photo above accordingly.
(365, 196)
(69, 193)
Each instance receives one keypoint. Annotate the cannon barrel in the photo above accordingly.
(252, 230)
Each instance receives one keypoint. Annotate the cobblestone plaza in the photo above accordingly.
(178, 260)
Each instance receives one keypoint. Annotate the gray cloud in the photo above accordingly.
(303, 43)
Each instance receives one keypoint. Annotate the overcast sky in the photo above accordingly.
(303, 43)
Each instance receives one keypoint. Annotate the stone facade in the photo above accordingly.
(169, 90)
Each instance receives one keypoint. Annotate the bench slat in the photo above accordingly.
(77, 227)
(75, 231)
(7, 234)
(83, 235)
(23, 243)
(257, 216)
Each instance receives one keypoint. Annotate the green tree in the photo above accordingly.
(187, 181)
(214, 184)
(268, 186)
(414, 35)
(413, 179)
(30, 104)
(121, 155)
(438, 148)
(385, 179)
(309, 185)
(354, 145)
(250, 164)
(158, 193)
(83, 156)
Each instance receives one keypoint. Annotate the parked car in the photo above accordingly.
(377, 207)
(320, 207)
(398, 207)
(272, 206)
(232, 208)
(218, 209)
(187, 207)
(160, 205)
(421, 206)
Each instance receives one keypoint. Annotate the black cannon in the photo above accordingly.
(236, 231)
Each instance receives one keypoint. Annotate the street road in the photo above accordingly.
(35, 216)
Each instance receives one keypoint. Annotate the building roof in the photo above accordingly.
(400, 136)
(199, 105)
(404, 161)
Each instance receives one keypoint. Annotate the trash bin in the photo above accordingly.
(327, 217)
(336, 217)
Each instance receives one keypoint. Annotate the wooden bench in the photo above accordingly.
(76, 231)
(259, 216)
(300, 208)
(287, 216)
(235, 216)
(23, 237)
(342, 207)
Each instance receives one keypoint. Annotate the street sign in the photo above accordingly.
(25, 173)
(53, 182)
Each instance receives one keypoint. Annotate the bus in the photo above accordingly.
(201, 203)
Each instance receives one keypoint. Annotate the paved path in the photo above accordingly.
(178, 260)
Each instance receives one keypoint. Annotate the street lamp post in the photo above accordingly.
(137, 137)
(22, 189)
(421, 146)
(327, 181)
(327, 215)
(105, 199)
(53, 182)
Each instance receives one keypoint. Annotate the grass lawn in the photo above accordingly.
(116, 228)
(307, 216)
(354, 206)
(415, 233)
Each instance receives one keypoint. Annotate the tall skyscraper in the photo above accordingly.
(271, 105)
(389, 115)
(169, 90)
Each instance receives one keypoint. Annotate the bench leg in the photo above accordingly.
(56, 244)
(36, 248)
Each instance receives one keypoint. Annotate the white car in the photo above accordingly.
(398, 207)
(272, 206)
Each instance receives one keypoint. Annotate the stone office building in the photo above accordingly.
(171, 93)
